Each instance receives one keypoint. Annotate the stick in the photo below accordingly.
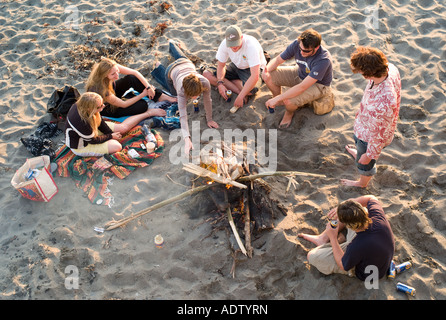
(278, 173)
(212, 175)
(233, 227)
(247, 224)
(118, 223)
(234, 256)
(114, 224)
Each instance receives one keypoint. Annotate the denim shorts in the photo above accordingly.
(361, 148)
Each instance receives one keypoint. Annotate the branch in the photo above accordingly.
(118, 223)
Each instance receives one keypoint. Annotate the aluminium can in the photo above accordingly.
(403, 266)
(405, 288)
(392, 271)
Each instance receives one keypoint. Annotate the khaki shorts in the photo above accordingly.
(320, 97)
(322, 257)
(93, 150)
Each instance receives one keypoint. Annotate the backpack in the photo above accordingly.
(61, 101)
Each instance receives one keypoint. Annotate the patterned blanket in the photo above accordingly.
(93, 174)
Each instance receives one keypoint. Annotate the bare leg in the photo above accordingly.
(318, 240)
(131, 122)
(165, 97)
(288, 115)
(352, 150)
(275, 89)
(362, 182)
(228, 84)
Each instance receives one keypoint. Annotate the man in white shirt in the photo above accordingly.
(243, 73)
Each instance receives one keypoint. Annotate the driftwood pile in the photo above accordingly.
(229, 186)
(246, 204)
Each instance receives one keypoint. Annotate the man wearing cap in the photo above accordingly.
(309, 81)
(242, 74)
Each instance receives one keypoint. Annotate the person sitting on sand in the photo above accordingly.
(376, 119)
(182, 80)
(369, 242)
(243, 73)
(309, 81)
(104, 80)
(88, 134)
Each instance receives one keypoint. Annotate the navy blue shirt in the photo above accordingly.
(318, 66)
(374, 246)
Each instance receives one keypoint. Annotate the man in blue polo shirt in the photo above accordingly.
(309, 81)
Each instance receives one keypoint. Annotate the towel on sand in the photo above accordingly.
(93, 174)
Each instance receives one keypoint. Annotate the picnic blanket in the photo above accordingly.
(94, 174)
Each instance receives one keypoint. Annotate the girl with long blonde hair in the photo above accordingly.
(88, 134)
(104, 80)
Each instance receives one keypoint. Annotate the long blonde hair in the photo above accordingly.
(87, 106)
(98, 80)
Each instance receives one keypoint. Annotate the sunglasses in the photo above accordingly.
(305, 51)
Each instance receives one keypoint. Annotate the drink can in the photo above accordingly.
(229, 94)
(405, 288)
(159, 241)
(196, 108)
(403, 266)
(271, 110)
(334, 223)
(392, 272)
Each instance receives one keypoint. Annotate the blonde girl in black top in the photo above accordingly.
(105, 80)
(88, 134)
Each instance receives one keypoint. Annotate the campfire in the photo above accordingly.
(244, 201)
(224, 182)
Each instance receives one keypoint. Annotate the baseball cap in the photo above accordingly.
(233, 36)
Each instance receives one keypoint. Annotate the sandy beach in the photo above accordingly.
(46, 44)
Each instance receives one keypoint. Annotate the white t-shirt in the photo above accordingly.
(250, 54)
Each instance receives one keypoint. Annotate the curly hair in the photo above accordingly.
(353, 214)
(370, 62)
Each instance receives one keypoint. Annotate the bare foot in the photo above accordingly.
(352, 150)
(286, 120)
(316, 239)
(165, 97)
(351, 183)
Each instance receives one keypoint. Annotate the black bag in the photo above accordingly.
(61, 101)
(39, 143)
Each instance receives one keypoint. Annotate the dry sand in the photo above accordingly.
(38, 240)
